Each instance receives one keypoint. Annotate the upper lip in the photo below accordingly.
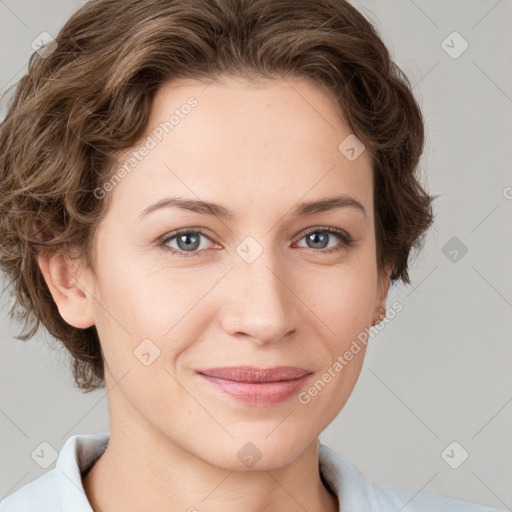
(252, 374)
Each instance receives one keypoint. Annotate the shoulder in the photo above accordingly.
(356, 493)
(36, 496)
(60, 488)
(397, 498)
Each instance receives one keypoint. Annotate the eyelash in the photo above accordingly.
(346, 240)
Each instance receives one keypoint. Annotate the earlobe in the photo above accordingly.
(382, 294)
(69, 292)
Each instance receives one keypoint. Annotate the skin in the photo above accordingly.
(257, 149)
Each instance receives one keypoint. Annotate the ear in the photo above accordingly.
(70, 288)
(384, 280)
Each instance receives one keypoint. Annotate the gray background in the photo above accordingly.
(441, 370)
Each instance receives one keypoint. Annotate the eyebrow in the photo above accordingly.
(217, 210)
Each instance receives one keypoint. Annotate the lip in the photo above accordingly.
(258, 386)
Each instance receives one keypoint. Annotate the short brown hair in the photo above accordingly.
(90, 99)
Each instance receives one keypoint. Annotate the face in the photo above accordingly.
(273, 284)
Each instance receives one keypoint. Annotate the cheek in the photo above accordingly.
(145, 317)
(343, 306)
(135, 300)
(343, 299)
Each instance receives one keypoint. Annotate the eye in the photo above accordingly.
(188, 241)
(318, 237)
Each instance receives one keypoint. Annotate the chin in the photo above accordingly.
(255, 452)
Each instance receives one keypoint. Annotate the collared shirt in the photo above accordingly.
(61, 489)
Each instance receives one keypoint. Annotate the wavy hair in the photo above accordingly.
(90, 98)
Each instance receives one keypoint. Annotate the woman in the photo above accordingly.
(207, 202)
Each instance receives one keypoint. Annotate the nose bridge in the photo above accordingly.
(260, 305)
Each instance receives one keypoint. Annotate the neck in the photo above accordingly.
(139, 471)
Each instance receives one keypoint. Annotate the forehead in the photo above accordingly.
(244, 143)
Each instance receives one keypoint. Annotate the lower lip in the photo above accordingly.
(258, 393)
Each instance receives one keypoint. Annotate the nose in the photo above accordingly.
(261, 305)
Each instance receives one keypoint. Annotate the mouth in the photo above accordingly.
(257, 386)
